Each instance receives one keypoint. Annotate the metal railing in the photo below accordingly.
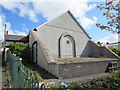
(21, 77)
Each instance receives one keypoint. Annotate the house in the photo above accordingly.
(63, 38)
(114, 45)
(9, 39)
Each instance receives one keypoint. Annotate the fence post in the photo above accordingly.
(17, 63)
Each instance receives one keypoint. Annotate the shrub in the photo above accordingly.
(117, 51)
(20, 49)
(111, 82)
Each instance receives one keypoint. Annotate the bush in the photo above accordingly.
(20, 49)
(111, 82)
(117, 51)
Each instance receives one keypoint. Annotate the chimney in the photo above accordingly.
(6, 32)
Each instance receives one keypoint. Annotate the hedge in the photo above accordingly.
(117, 51)
(20, 49)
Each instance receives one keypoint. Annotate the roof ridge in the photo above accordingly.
(52, 19)
(15, 35)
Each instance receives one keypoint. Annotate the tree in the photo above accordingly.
(117, 51)
(112, 13)
(20, 49)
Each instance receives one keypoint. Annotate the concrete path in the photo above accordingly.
(79, 79)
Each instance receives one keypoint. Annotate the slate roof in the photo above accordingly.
(19, 38)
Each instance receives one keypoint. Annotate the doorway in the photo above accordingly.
(34, 52)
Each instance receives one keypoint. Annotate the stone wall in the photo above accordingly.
(106, 52)
(98, 51)
(71, 70)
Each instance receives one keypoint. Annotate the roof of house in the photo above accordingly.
(21, 38)
(15, 35)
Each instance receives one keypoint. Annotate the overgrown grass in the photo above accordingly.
(33, 68)
(67, 60)
(8, 76)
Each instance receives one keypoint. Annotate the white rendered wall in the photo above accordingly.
(52, 31)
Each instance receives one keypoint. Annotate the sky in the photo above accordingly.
(22, 16)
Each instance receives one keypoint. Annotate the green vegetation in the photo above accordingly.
(33, 68)
(20, 49)
(23, 51)
(110, 9)
(29, 68)
(8, 76)
(111, 82)
(117, 51)
(67, 60)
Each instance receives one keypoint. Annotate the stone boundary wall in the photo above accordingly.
(71, 70)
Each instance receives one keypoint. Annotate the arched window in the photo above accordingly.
(34, 52)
